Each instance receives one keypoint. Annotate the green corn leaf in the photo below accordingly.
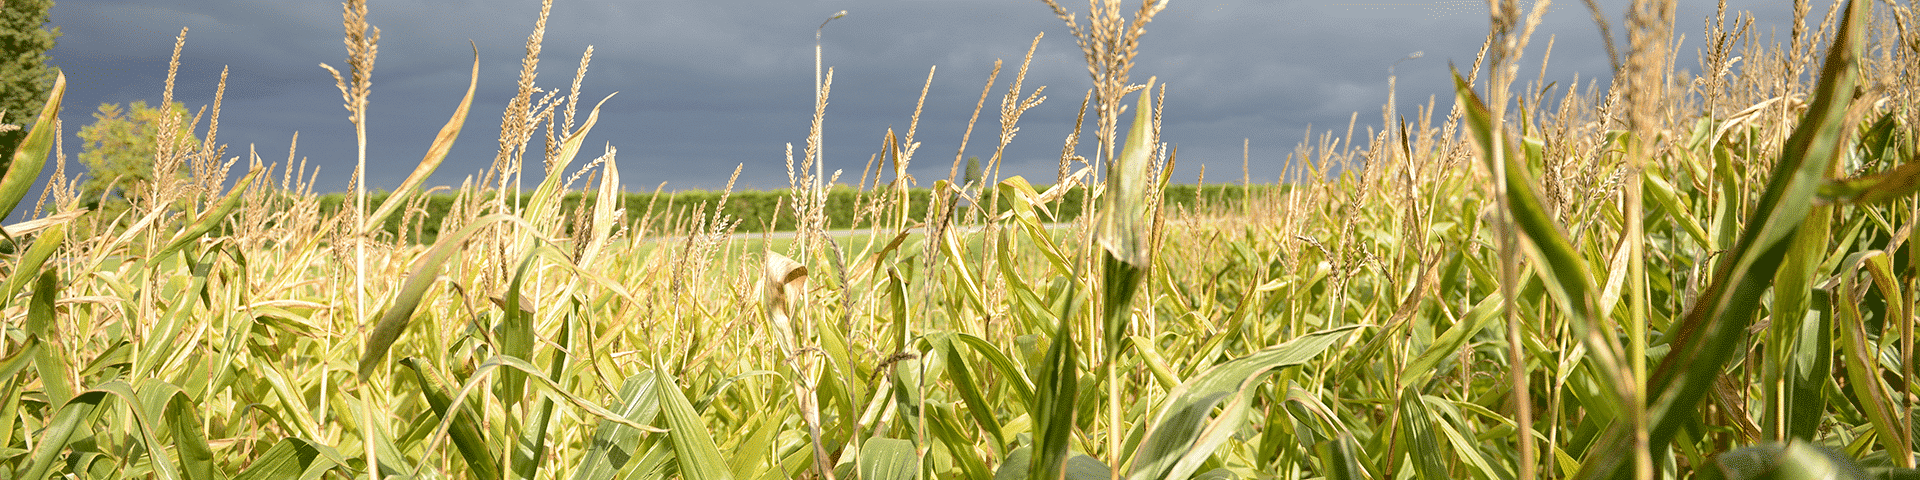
(1025, 200)
(514, 334)
(411, 292)
(465, 432)
(1863, 369)
(888, 459)
(1883, 187)
(287, 458)
(963, 381)
(59, 431)
(1802, 346)
(1080, 467)
(1121, 226)
(1664, 195)
(752, 455)
(172, 406)
(942, 423)
(613, 446)
(1124, 224)
(1422, 440)
(1337, 458)
(1712, 331)
(531, 450)
(1566, 274)
(36, 257)
(30, 158)
(143, 428)
(1795, 460)
(1185, 432)
(50, 359)
(1022, 386)
(1809, 369)
(442, 144)
(1054, 402)
(693, 447)
(1448, 344)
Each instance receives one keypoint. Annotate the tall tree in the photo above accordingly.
(119, 147)
(24, 75)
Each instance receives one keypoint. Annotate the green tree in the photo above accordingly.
(118, 148)
(973, 172)
(24, 75)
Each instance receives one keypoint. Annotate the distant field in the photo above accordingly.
(771, 210)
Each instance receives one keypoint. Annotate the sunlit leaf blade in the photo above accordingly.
(531, 450)
(1121, 227)
(179, 412)
(1124, 257)
(613, 447)
(30, 158)
(1448, 344)
(1080, 467)
(60, 430)
(514, 333)
(1022, 386)
(1861, 359)
(40, 323)
(546, 198)
(942, 422)
(1713, 328)
(43, 247)
(888, 459)
(442, 144)
(693, 447)
(1804, 332)
(1656, 186)
(1186, 432)
(212, 217)
(1422, 440)
(1797, 460)
(1883, 187)
(411, 292)
(1337, 457)
(1054, 401)
(288, 458)
(465, 432)
(969, 389)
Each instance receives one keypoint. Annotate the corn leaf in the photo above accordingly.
(613, 446)
(1054, 402)
(1186, 432)
(30, 158)
(888, 459)
(288, 458)
(465, 432)
(442, 144)
(211, 218)
(1796, 460)
(693, 447)
(411, 292)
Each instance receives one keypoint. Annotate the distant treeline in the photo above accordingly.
(764, 210)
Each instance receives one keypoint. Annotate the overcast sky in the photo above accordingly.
(707, 85)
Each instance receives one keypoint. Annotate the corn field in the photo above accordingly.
(1669, 275)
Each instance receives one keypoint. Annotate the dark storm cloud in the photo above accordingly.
(707, 85)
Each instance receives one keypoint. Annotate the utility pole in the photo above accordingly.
(817, 192)
(1393, 110)
(819, 151)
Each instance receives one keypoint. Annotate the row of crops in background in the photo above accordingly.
(765, 210)
(1675, 276)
